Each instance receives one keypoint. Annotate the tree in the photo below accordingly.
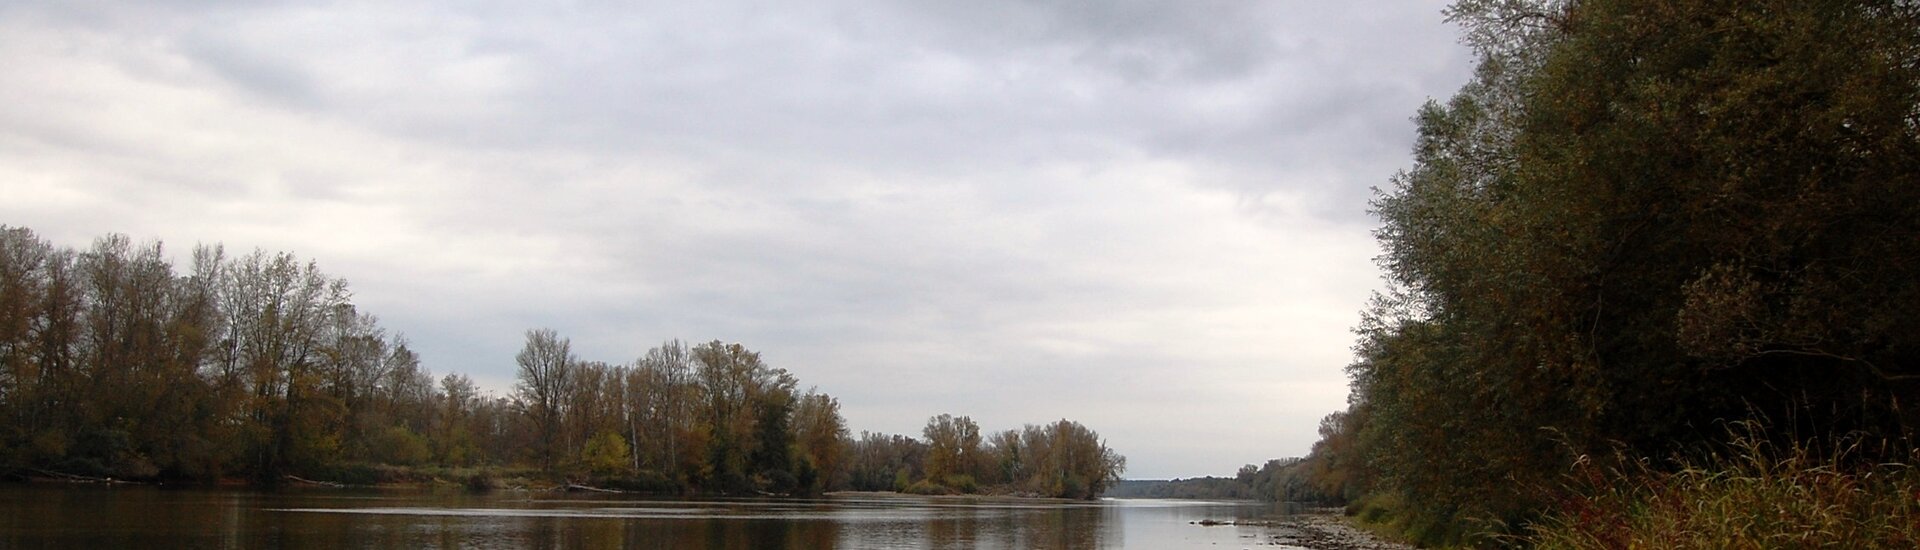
(27, 378)
(455, 439)
(885, 462)
(546, 377)
(1069, 460)
(748, 405)
(596, 404)
(953, 451)
(1640, 219)
(606, 454)
(663, 402)
(276, 309)
(1006, 457)
(820, 443)
(111, 364)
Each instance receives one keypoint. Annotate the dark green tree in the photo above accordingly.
(1640, 220)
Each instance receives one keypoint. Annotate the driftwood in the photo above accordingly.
(76, 478)
(1235, 523)
(579, 487)
(333, 484)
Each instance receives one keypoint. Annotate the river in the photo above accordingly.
(85, 516)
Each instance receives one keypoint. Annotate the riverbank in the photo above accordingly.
(1327, 530)
(1315, 529)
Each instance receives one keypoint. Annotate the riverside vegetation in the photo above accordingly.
(1654, 282)
(260, 368)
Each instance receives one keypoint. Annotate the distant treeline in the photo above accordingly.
(1640, 225)
(1062, 459)
(715, 418)
(260, 367)
(1278, 480)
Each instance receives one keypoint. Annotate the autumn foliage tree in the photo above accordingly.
(1063, 459)
(114, 364)
(261, 366)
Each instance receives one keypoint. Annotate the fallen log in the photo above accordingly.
(333, 484)
(579, 487)
(76, 478)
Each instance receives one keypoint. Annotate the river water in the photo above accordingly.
(80, 516)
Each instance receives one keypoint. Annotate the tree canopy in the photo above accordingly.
(260, 366)
(1639, 221)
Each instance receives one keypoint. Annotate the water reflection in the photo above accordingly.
(143, 517)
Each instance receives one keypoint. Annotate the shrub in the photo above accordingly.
(925, 487)
(606, 454)
(962, 483)
(353, 473)
(481, 482)
(400, 446)
(643, 481)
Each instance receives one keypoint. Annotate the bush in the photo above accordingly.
(644, 481)
(347, 474)
(962, 483)
(1388, 514)
(400, 446)
(902, 479)
(606, 454)
(481, 482)
(925, 487)
(778, 481)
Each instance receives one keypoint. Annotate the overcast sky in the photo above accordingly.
(1149, 217)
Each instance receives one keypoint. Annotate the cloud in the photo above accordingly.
(1145, 216)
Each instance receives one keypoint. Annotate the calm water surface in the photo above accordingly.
(59, 516)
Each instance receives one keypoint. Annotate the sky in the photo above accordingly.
(1147, 217)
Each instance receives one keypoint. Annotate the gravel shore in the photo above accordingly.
(1326, 531)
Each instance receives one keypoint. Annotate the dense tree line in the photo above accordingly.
(1641, 220)
(715, 418)
(1063, 459)
(710, 418)
(1196, 488)
(1278, 480)
(113, 364)
(260, 366)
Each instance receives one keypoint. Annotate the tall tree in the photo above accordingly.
(1006, 458)
(277, 308)
(664, 400)
(455, 439)
(546, 377)
(1069, 460)
(953, 451)
(747, 407)
(820, 443)
(25, 381)
(1639, 219)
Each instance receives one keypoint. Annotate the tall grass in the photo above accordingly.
(1757, 495)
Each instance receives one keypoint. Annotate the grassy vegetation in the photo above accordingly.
(1758, 496)
(1388, 516)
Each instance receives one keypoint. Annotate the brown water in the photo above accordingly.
(62, 516)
